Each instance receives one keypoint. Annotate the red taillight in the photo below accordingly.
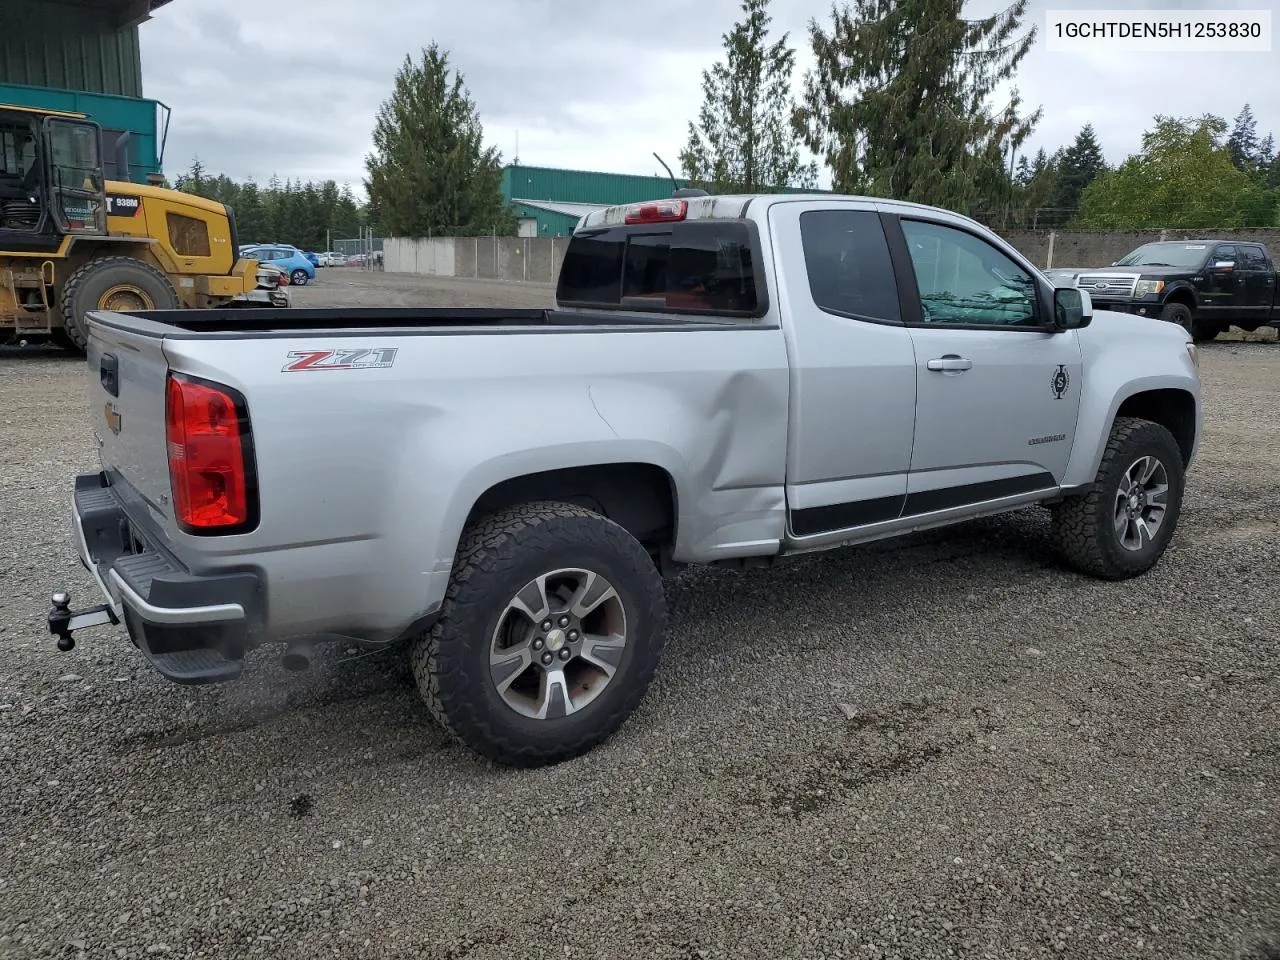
(660, 211)
(208, 456)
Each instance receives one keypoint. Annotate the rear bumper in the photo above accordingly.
(193, 629)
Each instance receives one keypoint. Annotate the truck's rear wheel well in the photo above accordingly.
(639, 497)
(1173, 409)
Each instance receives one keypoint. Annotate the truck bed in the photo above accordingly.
(249, 322)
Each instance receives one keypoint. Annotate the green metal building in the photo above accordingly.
(548, 202)
(83, 56)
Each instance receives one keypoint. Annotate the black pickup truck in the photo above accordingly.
(1203, 285)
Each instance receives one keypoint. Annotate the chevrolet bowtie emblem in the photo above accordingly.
(113, 418)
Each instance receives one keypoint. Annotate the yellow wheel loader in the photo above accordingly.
(71, 241)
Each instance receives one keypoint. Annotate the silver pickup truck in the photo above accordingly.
(723, 380)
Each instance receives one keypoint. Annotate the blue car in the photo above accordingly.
(289, 259)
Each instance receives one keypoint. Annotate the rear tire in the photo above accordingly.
(120, 283)
(1108, 532)
(480, 668)
(299, 278)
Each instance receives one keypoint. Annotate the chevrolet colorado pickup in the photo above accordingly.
(1205, 286)
(722, 380)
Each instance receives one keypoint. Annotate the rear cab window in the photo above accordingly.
(697, 267)
(1253, 258)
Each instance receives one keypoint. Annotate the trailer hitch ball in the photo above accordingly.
(60, 620)
(63, 621)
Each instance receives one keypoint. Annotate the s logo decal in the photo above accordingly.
(1060, 382)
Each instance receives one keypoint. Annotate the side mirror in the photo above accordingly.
(1072, 308)
(1226, 265)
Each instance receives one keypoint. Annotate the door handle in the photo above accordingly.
(950, 362)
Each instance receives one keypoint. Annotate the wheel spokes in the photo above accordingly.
(532, 601)
(603, 652)
(593, 591)
(558, 643)
(553, 696)
(1141, 503)
(1149, 466)
(508, 663)
(1121, 519)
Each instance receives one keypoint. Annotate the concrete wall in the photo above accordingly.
(436, 256)
(1100, 249)
(537, 259)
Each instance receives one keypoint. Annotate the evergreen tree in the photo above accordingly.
(1243, 141)
(898, 102)
(1266, 150)
(1025, 173)
(193, 180)
(303, 214)
(743, 141)
(347, 215)
(1078, 166)
(1038, 184)
(1269, 164)
(430, 172)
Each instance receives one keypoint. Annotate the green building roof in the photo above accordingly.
(581, 186)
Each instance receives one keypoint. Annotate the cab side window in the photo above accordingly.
(1224, 253)
(965, 281)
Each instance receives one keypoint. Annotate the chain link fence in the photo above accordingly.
(363, 252)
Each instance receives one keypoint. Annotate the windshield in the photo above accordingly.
(1166, 255)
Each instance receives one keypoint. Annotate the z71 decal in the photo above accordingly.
(349, 359)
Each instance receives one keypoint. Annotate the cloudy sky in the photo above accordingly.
(292, 90)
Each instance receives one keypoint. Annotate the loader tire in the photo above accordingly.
(111, 283)
(550, 633)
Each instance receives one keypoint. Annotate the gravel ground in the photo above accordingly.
(948, 747)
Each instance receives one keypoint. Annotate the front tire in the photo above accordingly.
(1122, 525)
(1182, 315)
(549, 636)
(111, 283)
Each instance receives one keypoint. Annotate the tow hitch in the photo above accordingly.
(63, 621)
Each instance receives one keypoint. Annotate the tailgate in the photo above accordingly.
(126, 389)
